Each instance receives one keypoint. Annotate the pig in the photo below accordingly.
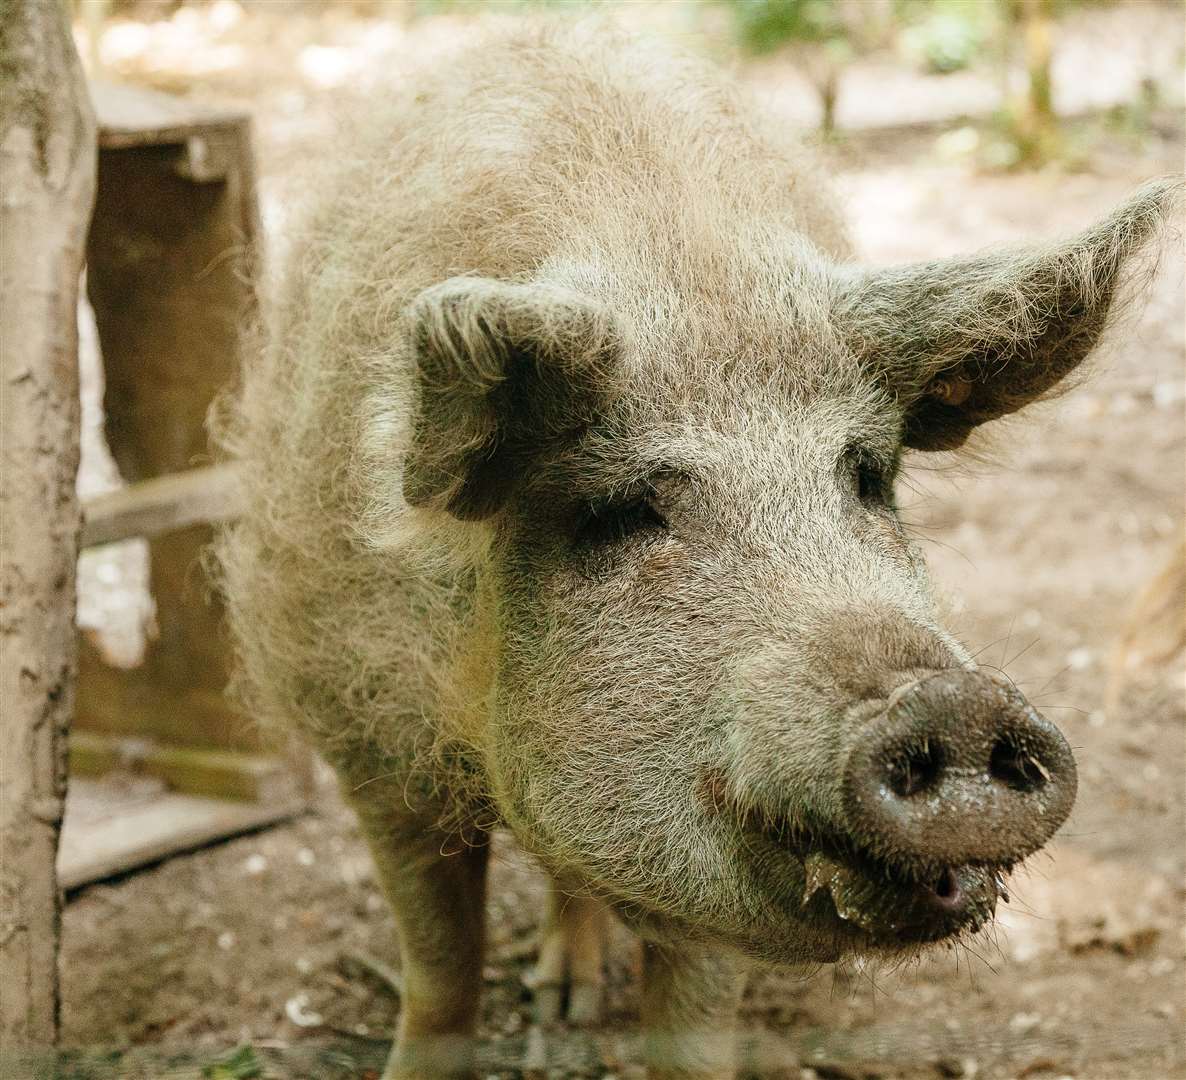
(569, 454)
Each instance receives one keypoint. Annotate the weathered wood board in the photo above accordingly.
(170, 271)
(118, 824)
(187, 770)
(152, 507)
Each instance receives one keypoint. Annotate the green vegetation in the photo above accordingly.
(949, 35)
(817, 33)
(240, 1064)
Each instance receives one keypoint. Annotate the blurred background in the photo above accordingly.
(948, 125)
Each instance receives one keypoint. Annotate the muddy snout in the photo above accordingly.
(958, 769)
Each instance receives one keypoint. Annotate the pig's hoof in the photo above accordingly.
(567, 978)
(575, 1003)
(549, 1003)
(584, 1004)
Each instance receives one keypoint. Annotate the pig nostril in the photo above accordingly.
(947, 889)
(1015, 767)
(915, 770)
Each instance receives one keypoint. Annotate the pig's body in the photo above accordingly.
(570, 457)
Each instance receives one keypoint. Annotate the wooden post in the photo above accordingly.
(47, 176)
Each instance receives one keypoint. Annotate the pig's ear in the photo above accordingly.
(503, 369)
(969, 339)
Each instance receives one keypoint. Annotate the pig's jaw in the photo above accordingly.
(850, 903)
(834, 897)
(961, 900)
(822, 910)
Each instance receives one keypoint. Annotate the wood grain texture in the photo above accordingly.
(47, 174)
(162, 504)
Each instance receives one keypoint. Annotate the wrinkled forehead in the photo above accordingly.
(749, 443)
(731, 368)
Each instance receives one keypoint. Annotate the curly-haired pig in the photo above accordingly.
(570, 454)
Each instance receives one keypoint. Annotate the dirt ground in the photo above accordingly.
(243, 959)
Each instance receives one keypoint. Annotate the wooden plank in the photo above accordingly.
(188, 770)
(133, 116)
(128, 834)
(205, 143)
(47, 176)
(163, 504)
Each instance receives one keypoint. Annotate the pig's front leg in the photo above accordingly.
(438, 900)
(689, 1013)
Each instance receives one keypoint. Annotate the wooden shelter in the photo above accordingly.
(170, 266)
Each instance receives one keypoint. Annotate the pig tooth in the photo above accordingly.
(817, 871)
(849, 912)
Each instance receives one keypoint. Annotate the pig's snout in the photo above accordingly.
(958, 769)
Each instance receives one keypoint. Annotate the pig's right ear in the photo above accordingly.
(502, 370)
(969, 339)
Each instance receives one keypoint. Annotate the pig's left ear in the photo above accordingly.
(969, 339)
(502, 370)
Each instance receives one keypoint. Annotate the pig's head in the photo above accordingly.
(723, 699)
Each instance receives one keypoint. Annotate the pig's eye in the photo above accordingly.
(873, 481)
(612, 522)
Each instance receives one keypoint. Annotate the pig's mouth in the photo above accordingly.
(870, 904)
